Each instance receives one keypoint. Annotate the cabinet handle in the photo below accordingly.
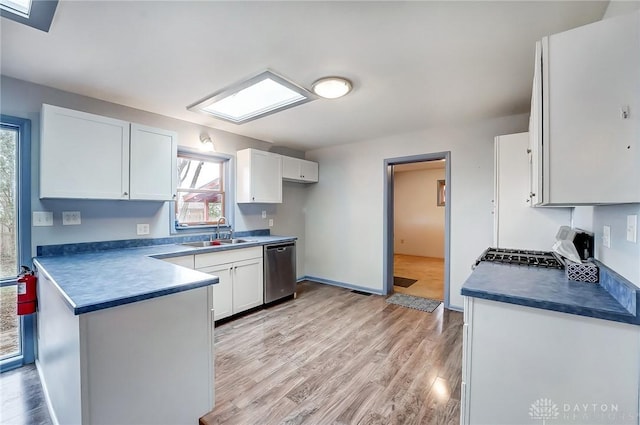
(173, 196)
(125, 194)
(531, 195)
(528, 150)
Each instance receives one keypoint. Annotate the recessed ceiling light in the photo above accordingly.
(254, 98)
(332, 87)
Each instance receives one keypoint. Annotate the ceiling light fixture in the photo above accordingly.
(332, 87)
(254, 98)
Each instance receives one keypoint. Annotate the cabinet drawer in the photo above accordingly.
(214, 258)
(184, 261)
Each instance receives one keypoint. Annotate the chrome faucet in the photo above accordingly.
(230, 233)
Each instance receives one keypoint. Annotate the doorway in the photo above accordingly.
(417, 223)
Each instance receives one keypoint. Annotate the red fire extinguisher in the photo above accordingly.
(27, 298)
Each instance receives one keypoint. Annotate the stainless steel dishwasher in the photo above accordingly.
(279, 271)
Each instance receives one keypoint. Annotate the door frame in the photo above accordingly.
(23, 218)
(388, 223)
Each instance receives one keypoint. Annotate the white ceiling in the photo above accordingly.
(414, 65)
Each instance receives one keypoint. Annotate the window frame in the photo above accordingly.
(227, 177)
(23, 218)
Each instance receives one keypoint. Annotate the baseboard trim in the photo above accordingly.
(456, 308)
(341, 284)
(45, 392)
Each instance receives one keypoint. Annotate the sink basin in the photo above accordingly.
(217, 242)
(233, 241)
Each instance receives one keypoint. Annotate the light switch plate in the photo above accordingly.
(264, 214)
(632, 228)
(70, 218)
(606, 236)
(42, 218)
(270, 222)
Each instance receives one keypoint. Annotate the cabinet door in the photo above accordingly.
(594, 150)
(290, 168)
(309, 171)
(184, 261)
(266, 177)
(299, 170)
(83, 155)
(153, 163)
(222, 291)
(516, 224)
(535, 133)
(248, 289)
(258, 177)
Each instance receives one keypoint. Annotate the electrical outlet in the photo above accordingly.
(42, 218)
(264, 214)
(632, 228)
(270, 222)
(606, 236)
(143, 229)
(70, 218)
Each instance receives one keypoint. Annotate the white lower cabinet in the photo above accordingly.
(524, 365)
(241, 279)
(148, 362)
(248, 287)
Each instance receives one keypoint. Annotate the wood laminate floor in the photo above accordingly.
(429, 273)
(21, 398)
(329, 357)
(336, 357)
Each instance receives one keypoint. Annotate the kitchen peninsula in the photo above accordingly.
(125, 338)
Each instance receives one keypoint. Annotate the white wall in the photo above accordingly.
(344, 225)
(418, 220)
(620, 7)
(113, 220)
(623, 256)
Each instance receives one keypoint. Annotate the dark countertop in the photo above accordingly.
(549, 289)
(91, 281)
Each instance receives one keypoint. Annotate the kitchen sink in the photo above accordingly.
(216, 242)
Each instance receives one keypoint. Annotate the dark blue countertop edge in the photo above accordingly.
(85, 247)
(623, 291)
(172, 249)
(561, 308)
(126, 300)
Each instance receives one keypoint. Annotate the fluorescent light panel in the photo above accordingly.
(22, 7)
(254, 98)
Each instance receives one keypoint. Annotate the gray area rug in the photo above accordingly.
(417, 303)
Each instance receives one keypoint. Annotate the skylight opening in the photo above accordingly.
(254, 98)
(19, 7)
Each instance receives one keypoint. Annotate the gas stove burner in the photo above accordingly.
(521, 257)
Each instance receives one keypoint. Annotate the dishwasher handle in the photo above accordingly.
(279, 248)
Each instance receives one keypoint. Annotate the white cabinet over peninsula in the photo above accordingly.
(124, 339)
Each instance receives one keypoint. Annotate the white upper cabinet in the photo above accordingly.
(299, 170)
(586, 121)
(83, 155)
(153, 171)
(259, 177)
(86, 156)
